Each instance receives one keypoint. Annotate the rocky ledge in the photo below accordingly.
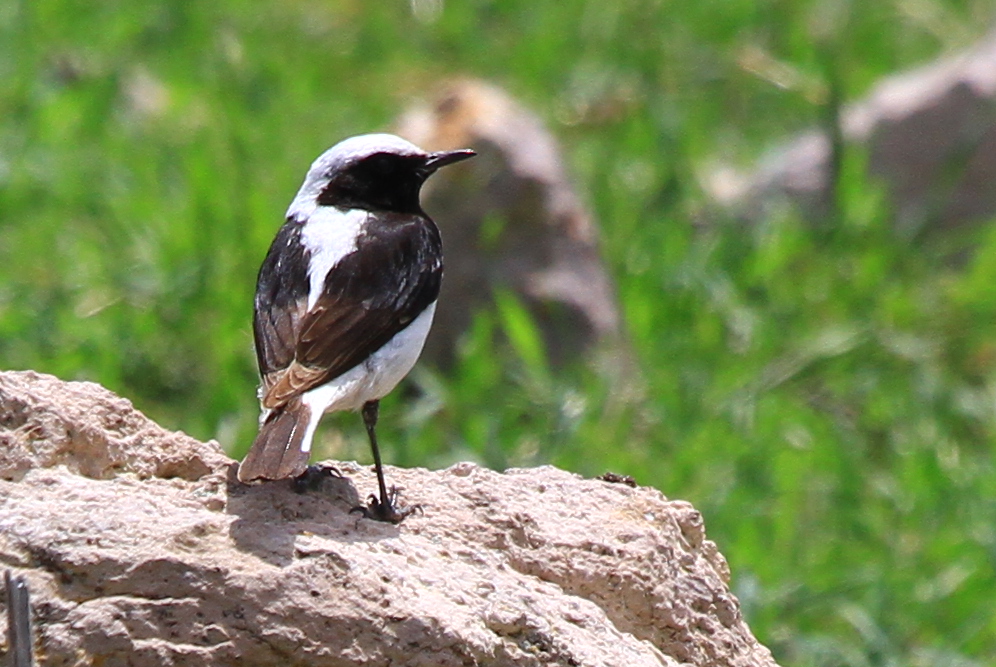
(140, 548)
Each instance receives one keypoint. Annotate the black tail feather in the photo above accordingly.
(276, 452)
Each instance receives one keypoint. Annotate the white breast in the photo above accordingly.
(329, 235)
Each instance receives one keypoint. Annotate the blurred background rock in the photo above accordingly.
(930, 139)
(511, 222)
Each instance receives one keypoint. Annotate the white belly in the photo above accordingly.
(374, 378)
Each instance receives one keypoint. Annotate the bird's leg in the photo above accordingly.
(371, 410)
(384, 508)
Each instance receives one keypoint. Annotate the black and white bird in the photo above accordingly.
(344, 300)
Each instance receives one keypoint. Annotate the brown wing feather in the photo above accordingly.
(369, 296)
(281, 386)
(276, 336)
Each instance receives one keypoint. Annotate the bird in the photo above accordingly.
(344, 301)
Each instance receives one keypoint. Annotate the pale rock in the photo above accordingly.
(140, 548)
(930, 137)
(511, 221)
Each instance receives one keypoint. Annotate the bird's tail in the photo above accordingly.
(279, 450)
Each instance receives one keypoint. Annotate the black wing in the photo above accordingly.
(281, 299)
(370, 295)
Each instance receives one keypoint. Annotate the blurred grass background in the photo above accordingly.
(825, 395)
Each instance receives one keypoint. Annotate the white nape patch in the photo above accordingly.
(372, 379)
(329, 235)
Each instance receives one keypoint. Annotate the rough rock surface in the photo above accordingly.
(931, 140)
(45, 422)
(511, 221)
(141, 549)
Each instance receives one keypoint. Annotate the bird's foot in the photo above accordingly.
(388, 510)
(311, 479)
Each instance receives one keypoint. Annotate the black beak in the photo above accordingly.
(443, 158)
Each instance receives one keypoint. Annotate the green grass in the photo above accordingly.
(825, 395)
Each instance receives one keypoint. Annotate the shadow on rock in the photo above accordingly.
(271, 516)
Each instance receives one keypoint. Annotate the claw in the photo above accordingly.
(388, 511)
